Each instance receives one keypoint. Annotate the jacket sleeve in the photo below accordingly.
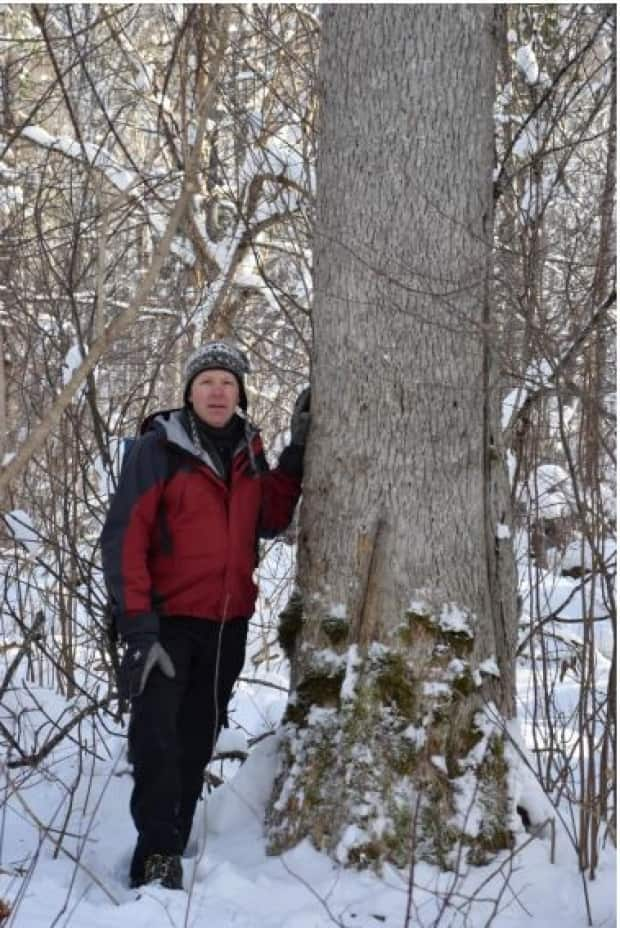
(129, 525)
(281, 490)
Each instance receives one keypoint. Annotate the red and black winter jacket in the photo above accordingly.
(178, 539)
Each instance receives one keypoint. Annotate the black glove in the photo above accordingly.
(142, 653)
(300, 420)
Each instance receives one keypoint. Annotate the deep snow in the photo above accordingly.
(230, 881)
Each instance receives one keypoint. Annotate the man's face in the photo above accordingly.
(214, 395)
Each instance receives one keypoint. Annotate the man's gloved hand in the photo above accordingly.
(300, 420)
(142, 653)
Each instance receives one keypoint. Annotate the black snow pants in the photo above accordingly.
(173, 728)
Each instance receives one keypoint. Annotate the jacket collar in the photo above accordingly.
(169, 423)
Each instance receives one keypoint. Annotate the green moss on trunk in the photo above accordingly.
(370, 737)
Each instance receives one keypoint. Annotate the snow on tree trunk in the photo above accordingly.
(404, 628)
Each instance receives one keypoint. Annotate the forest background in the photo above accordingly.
(157, 185)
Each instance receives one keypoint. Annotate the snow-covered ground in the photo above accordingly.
(230, 882)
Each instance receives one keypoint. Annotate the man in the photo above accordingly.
(179, 550)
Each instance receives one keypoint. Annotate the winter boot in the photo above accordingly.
(165, 869)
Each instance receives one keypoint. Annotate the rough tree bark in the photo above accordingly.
(404, 627)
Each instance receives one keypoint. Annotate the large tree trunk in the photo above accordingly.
(408, 603)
